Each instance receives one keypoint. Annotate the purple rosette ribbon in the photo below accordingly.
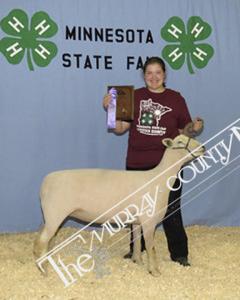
(111, 112)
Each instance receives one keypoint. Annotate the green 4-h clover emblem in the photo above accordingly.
(31, 39)
(186, 43)
(147, 119)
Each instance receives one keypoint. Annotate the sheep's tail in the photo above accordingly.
(43, 189)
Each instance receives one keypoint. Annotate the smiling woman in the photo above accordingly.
(160, 113)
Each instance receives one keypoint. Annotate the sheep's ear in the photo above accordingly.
(167, 142)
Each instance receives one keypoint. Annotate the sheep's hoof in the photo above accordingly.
(44, 274)
(137, 260)
(43, 270)
(155, 272)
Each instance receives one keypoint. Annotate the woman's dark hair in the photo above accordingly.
(154, 60)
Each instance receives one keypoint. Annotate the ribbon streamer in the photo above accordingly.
(111, 112)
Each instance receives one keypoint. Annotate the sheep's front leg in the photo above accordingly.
(137, 257)
(148, 233)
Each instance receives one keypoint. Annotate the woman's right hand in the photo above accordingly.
(106, 101)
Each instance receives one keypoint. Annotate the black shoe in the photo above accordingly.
(128, 255)
(182, 261)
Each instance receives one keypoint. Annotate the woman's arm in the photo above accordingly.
(121, 127)
(184, 119)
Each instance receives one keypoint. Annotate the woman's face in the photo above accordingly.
(154, 77)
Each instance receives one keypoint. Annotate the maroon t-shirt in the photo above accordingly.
(156, 116)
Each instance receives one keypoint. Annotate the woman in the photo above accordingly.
(159, 113)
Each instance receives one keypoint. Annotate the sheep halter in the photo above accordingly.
(186, 147)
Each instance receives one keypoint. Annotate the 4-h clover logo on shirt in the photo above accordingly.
(186, 43)
(31, 39)
(147, 119)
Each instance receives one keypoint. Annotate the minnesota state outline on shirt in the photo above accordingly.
(150, 114)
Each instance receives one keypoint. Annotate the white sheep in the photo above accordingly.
(87, 194)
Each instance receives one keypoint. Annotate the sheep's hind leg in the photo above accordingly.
(137, 256)
(41, 243)
(46, 233)
(148, 233)
(40, 247)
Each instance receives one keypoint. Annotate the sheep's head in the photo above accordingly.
(184, 145)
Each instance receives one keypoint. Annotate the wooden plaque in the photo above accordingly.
(125, 102)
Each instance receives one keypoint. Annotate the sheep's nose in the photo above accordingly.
(204, 148)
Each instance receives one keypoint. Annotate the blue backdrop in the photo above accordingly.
(51, 117)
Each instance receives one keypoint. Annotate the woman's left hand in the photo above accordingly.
(197, 124)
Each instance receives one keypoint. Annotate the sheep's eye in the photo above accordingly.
(181, 143)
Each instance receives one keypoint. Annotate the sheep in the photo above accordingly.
(87, 194)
